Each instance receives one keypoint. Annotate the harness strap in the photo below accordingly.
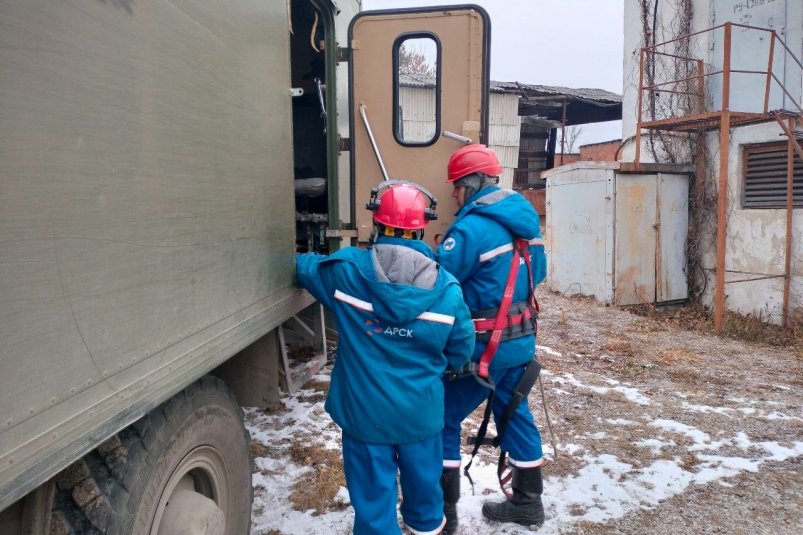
(520, 393)
(484, 324)
(504, 306)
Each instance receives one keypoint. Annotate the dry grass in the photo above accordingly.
(301, 352)
(678, 355)
(747, 328)
(619, 346)
(316, 490)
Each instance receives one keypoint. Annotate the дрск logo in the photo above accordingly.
(374, 326)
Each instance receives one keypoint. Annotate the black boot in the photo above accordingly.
(525, 506)
(450, 483)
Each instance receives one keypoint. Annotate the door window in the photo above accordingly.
(416, 62)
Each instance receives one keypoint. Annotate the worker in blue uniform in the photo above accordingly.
(478, 249)
(402, 323)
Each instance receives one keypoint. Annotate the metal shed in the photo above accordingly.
(617, 234)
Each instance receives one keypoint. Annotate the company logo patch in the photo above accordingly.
(374, 326)
(449, 244)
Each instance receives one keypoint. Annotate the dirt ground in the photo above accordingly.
(721, 387)
(660, 428)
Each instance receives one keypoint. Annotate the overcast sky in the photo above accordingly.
(572, 43)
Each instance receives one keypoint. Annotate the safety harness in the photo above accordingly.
(526, 321)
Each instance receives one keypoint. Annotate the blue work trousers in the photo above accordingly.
(371, 481)
(522, 440)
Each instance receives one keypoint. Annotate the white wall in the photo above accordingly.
(756, 240)
(504, 124)
(504, 129)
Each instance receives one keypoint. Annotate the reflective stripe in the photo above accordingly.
(433, 532)
(368, 307)
(502, 249)
(437, 318)
(447, 463)
(526, 464)
(353, 301)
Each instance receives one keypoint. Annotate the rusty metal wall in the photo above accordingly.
(636, 213)
(673, 222)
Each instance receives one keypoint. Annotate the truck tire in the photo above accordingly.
(185, 465)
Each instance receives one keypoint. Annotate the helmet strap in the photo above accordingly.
(393, 232)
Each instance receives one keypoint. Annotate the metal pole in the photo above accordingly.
(373, 142)
(790, 167)
(722, 197)
(769, 74)
(639, 110)
(563, 132)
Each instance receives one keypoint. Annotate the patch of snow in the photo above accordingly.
(683, 429)
(620, 421)
(548, 351)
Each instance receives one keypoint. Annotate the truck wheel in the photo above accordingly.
(184, 468)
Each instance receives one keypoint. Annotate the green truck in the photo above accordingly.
(161, 163)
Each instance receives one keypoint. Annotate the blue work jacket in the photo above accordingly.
(477, 250)
(395, 342)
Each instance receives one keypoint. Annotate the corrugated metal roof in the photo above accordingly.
(544, 102)
(590, 95)
(416, 80)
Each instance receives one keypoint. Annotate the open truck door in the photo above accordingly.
(417, 76)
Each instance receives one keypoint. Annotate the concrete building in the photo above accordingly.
(685, 96)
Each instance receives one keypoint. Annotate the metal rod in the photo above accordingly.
(790, 53)
(790, 194)
(769, 74)
(756, 279)
(373, 142)
(722, 196)
(790, 133)
(742, 71)
(456, 137)
(640, 106)
(673, 55)
(786, 92)
(687, 79)
(686, 36)
(711, 30)
(563, 132)
(675, 92)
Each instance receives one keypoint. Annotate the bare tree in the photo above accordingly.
(412, 62)
(571, 134)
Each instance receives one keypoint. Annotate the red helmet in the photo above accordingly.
(402, 205)
(473, 158)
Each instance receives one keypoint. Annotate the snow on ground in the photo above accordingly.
(602, 488)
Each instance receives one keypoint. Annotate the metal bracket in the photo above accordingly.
(344, 144)
(341, 233)
(308, 328)
(343, 54)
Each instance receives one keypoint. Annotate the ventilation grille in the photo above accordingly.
(765, 177)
